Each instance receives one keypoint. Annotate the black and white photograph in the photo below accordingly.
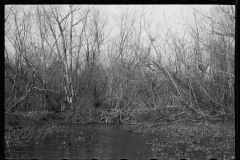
(119, 81)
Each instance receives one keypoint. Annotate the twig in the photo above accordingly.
(163, 65)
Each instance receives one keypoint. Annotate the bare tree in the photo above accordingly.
(19, 40)
(56, 19)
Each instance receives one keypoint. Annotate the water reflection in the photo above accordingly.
(109, 142)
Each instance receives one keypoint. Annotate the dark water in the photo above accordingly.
(103, 142)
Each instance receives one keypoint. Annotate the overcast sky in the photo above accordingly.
(175, 15)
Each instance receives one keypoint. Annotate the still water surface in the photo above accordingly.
(103, 142)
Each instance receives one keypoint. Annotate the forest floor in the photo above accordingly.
(186, 139)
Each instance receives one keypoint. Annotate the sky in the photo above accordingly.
(175, 15)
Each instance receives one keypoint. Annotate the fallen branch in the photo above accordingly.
(27, 92)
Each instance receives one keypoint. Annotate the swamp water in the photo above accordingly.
(88, 141)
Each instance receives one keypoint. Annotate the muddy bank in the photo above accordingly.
(189, 140)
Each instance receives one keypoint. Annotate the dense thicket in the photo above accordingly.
(69, 58)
